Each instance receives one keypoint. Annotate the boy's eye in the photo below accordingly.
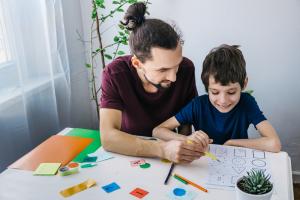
(215, 93)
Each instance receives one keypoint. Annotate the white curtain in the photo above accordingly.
(34, 75)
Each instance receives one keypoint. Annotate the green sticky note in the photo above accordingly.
(88, 165)
(86, 133)
(90, 159)
(47, 169)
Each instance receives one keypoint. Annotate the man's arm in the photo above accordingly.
(269, 140)
(120, 142)
(115, 140)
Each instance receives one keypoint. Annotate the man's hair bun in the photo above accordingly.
(134, 16)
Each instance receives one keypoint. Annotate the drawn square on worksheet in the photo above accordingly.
(240, 152)
(259, 154)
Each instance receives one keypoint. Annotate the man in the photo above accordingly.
(142, 90)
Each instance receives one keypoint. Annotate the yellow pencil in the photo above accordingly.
(211, 155)
(206, 153)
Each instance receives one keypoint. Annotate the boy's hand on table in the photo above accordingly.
(201, 139)
(181, 152)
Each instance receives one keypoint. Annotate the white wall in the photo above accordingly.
(268, 32)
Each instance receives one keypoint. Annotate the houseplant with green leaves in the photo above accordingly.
(256, 185)
(100, 54)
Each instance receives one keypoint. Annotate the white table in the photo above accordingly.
(22, 185)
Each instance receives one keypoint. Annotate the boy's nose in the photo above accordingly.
(222, 100)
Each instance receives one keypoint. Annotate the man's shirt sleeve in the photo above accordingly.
(110, 96)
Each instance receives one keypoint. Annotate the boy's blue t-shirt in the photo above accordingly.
(221, 126)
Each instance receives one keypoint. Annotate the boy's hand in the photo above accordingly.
(181, 152)
(200, 138)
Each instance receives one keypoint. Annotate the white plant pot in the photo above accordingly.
(241, 195)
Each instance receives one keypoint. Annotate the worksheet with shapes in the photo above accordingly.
(234, 162)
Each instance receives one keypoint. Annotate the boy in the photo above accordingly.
(224, 115)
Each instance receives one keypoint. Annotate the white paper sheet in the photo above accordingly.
(101, 155)
(235, 162)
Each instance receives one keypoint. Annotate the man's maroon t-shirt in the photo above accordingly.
(122, 89)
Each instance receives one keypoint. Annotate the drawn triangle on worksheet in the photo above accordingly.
(238, 169)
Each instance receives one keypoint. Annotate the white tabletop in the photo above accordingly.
(19, 184)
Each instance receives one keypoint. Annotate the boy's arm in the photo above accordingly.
(164, 130)
(269, 140)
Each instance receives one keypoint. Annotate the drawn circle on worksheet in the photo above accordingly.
(259, 163)
(238, 161)
(179, 192)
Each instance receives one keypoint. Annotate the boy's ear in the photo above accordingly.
(245, 83)
(136, 63)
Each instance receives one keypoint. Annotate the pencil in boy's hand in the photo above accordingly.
(211, 155)
(207, 153)
(190, 142)
(169, 174)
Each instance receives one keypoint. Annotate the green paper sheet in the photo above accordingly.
(86, 133)
(47, 169)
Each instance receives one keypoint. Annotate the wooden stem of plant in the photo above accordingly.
(93, 89)
(113, 11)
(116, 51)
(99, 35)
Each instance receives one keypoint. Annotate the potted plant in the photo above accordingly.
(255, 185)
(102, 13)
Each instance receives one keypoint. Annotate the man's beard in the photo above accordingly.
(158, 86)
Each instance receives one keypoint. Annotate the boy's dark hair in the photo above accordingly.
(226, 64)
(148, 33)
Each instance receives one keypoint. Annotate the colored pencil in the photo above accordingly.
(180, 179)
(192, 183)
(169, 174)
(206, 153)
(211, 155)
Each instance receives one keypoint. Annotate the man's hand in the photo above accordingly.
(201, 139)
(181, 152)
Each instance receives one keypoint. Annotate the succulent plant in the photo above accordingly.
(255, 182)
